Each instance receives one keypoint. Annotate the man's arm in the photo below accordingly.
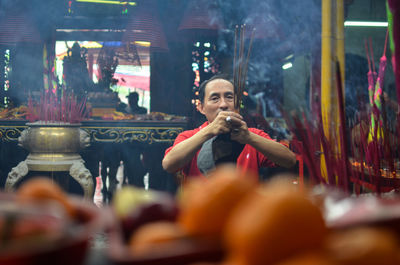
(276, 152)
(182, 153)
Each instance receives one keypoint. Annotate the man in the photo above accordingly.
(133, 107)
(217, 104)
(134, 169)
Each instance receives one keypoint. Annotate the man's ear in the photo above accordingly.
(199, 108)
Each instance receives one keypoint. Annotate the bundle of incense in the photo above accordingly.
(366, 169)
(344, 176)
(307, 146)
(240, 63)
(51, 109)
(311, 142)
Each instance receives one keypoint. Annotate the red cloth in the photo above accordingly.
(249, 160)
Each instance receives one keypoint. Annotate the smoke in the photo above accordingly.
(25, 27)
(291, 23)
(282, 29)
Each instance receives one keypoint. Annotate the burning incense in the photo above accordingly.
(342, 131)
(240, 64)
(235, 60)
(248, 57)
(52, 109)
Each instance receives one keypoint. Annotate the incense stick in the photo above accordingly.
(248, 56)
(235, 61)
(51, 109)
(240, 63)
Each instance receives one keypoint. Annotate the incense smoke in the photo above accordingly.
(282, 29)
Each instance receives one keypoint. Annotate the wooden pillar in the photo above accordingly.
(327, 66)
(326, 73)
(340, 52)
(332, 50)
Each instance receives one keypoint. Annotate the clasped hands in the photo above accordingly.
(231, 122)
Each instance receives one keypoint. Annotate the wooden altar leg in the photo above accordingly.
(15, 175)
(82, 175)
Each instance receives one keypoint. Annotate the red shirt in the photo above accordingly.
(249, 159)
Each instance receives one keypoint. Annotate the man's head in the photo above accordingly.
(216, 94)
(133, 98)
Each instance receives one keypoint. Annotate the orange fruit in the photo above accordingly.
(272, 224)
(313, 258)
(367, 246)
(44, 189)
(153, 236)
(205, 205)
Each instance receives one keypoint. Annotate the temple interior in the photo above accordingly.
(96, 94)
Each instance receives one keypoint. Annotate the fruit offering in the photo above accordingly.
(18, 113)
(135, 207)
(25, 227)
(40, 224)
(44, 190)
(230, 219)
(206, 205)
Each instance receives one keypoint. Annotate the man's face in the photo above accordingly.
(218, 96)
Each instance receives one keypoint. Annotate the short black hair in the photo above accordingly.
(133, 96)
(202, 87)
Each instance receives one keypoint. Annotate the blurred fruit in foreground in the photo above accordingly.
(23, 227)
(37, 228)
(136, 207)
(152, 236)
(128, 198)
(308, 259)
(367, 246)
(205, 205)
(44, 189)
(272, 224)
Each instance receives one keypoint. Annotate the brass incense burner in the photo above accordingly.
(53, 147)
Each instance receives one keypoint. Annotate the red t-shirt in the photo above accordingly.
(249, 160)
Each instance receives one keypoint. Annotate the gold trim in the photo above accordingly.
(104, 134)
(11, 133)
(148, 135)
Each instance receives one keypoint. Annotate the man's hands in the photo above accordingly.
(184, 152)
(230, 122)
(233, 123)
